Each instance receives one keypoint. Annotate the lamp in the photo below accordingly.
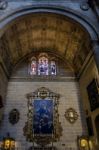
(8, 143)
(83, 142)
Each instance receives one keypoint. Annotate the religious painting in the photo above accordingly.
(42, 126)
(43, 117)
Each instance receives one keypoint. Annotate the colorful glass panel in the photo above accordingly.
(53, 68)
(33, 67)
(43, 66)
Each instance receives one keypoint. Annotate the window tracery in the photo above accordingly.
(53, 68)
(43, 66)
(33, 66)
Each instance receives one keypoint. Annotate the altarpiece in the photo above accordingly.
(42, 126)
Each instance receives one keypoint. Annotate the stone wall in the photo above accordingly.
(70, 97)
(88, 75)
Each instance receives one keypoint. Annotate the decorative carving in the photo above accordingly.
(40, 93)
(14, 116)
(3, 4)
(71, 115)
(84, 6)
(34, 132)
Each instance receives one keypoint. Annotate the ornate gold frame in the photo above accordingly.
(42, 93)
(71, 115)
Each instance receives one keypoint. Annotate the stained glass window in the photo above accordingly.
(33, 67)
(53, 68)
(43, 66)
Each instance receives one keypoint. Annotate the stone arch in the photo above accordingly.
(85, 22)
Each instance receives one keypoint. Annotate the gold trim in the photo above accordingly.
(43, 93)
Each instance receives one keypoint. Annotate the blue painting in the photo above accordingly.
(43, 117)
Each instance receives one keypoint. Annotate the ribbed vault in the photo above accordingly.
(47, 32)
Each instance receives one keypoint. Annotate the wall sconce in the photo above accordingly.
(71, 115)
(8, 143)
(83, 143)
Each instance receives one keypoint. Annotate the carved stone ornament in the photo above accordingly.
(84, 6)
(71, 115)
(14, 116)
(42, 126)
(3, 4)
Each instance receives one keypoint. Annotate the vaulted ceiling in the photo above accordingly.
(47, 32)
